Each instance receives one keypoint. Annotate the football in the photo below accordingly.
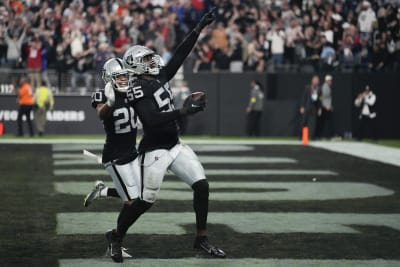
(198, 96)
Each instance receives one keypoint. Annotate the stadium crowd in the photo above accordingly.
(264, 35)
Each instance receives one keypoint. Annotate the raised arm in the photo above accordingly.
(187, 45)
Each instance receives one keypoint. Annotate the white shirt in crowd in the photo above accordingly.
(365, 20)
(277, 39)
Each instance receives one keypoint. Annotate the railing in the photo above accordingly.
(60, 83)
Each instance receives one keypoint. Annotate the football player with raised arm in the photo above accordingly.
(119, 156)
(160, 148)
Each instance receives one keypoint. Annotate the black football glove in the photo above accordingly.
(207, 19)
(191, 106)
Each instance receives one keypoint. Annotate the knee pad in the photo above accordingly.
(149, 195)
(201, 188)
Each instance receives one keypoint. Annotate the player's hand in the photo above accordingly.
(110, 94)
(191, 106)
(207, 19)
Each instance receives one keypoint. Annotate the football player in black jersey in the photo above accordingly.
(160, 148)
(119, 155)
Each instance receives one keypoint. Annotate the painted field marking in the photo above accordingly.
(76, 147)
(171, 223)
(195, 147)
(195, 262)
(76, 159)
(256, 191)
(214, 172)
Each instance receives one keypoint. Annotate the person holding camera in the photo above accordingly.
(366, 101)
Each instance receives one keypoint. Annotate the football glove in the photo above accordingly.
(207, 19)
(110, 94)
(192, 106)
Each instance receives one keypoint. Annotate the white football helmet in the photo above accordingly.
(115, 73)
(142, 60)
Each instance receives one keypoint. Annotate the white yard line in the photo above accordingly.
(216, 172)
(368, 151)
(194, 262)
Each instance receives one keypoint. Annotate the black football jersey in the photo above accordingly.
(120, 128)
(150, 98)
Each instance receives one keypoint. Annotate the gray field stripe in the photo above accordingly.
(68, 155)
(76, 159)
(220, 147)
(69, 162)
(195, 262)
(211, 172)
(173, 223)
(76, 147)
(239, 159)
(195, 147)
(266, 191)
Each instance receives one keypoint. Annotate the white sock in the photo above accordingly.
(103, 192)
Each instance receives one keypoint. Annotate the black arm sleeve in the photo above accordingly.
(180, 54)
(150, 116)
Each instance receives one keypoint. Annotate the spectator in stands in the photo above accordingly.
(26, 103)
(222, 59)
(346, 56)
(256, 56)
(47, 43)
(43, 101)
(121, 43)
(366, 19)
(62, 64)
(204, 57)
(293, 36)
(310, 106)
(82, 65)
(302, 22)
(328, 55)
(277, 38)
(14, 46)
(102, 55)
(237, 54)
(34, 61)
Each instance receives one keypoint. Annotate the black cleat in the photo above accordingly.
(114, 242)
(201, 242)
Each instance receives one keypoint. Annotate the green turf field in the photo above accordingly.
(266, 209)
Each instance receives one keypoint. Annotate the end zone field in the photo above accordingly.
(271, 204)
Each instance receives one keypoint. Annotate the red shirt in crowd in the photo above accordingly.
(34, 57)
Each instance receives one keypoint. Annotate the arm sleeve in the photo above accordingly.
(150, 116)
(180, 54)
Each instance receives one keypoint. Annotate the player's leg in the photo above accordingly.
(154, 165)
(125, 178)
(188, 168)
(100, 190)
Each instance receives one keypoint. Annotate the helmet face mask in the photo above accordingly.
(141, 60)
(115, 73)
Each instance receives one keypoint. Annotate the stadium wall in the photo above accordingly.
(227, 99)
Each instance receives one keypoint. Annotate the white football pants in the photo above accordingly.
(180, 160)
